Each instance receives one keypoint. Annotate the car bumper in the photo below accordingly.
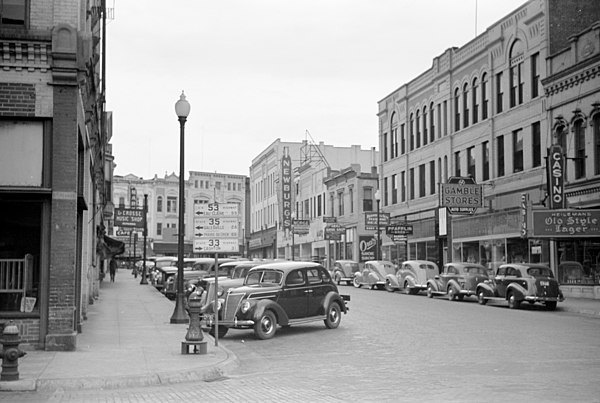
(535, 298)
(209, 320)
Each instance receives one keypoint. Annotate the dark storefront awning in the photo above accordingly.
(108, 247)
(170, 248)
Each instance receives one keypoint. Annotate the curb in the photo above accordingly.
(204, 374)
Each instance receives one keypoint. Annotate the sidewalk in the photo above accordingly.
(126, 341)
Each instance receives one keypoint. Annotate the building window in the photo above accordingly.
(385, 191)
(351, 194)
(385, 147)
(159, 204)
(597, 144)
(411, 179)
(457, 163)
(159, 229)
(341, 203)
(394, 189)
(516, 74)
(331, 202)
(579, 149)
(418, 129)
(445, 118)
(485, 153)
(121, 202)
(484, 96)
(422, 180)
(439, 121)
(12, 13)
(425, 137)
(402, 139)
(171, 204)
(431, 123)
(319, 201)
(536, 145)
(471, 161)
(535, 75)
(499, 93)
(432, 177)
(456, 110)
(518, 150)
(475, 102)
(403, 186)
(367, 199)
(500, 154)
(465, 106)
(412, 132)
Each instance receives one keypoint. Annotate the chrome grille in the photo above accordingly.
(232, 302)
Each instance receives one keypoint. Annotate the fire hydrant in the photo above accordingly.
(194, 336)
(10, 353)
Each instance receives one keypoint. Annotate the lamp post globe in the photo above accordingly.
(182, 109)
(378, 248)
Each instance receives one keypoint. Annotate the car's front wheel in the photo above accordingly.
(222, 331)
(481, 297)
(513, 302)
(356, 283)
(429, 291)
(388, 286)
(266, 326)
(451, 294)
(334, 316)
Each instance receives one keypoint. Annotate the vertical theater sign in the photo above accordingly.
(556, 177)
(286, 189)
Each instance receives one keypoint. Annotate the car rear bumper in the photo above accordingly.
(535, 298)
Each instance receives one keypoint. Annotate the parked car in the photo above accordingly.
(279, 293)
(374, 273)
(162, 264)
(412, 276)
(193, 268)
(457, 280)
(343, 270)
(518, 282)
(236, 269)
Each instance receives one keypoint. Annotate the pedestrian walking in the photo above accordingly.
(113, 269)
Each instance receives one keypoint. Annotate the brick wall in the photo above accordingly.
(17, 99)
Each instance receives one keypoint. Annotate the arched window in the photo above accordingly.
(466, 106)
(516, 73)
(474, 100)
(394, 137)
(425, 138)
(159, 204)
(579, 134)
(432, 123)
(412, 132)
(418, 129)
(484, 96)
(456, 110)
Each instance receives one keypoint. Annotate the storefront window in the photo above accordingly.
(20, 237)
(517, 250)
(579, 262)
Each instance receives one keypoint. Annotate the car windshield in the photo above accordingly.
(166, 263)
(240, 272)
(426, 266)
(474, 270)
(540, 272)
(202, 266)
(352, 266)
(263, 277)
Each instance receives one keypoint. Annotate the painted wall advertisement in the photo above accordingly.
(367, 246)
(566, 223)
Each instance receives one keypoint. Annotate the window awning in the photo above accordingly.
(108, 247)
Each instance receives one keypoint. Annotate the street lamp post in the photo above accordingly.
(378, 249)
(182, 108)
(144, 280)
(292, 231)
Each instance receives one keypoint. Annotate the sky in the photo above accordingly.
(255, 71)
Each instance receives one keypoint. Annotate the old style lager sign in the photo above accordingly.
(566, 223)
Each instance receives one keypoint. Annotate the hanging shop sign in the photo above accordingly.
(367, 245)
(129, 217)
(371, 221)
(286, 191)
(461, 195)
(334, 232)
(556, 182)
(566, 223)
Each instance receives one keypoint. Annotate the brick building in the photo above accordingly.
(490, 110)
(55, 167)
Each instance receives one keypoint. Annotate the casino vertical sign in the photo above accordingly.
(556, 177)
(286, 190)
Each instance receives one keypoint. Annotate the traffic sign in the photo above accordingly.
(205, 244)
(225, 224)
(212, 209)
(461, 195)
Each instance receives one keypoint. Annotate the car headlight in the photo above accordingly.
(245, 306)
(219, 304)
(220, 292)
